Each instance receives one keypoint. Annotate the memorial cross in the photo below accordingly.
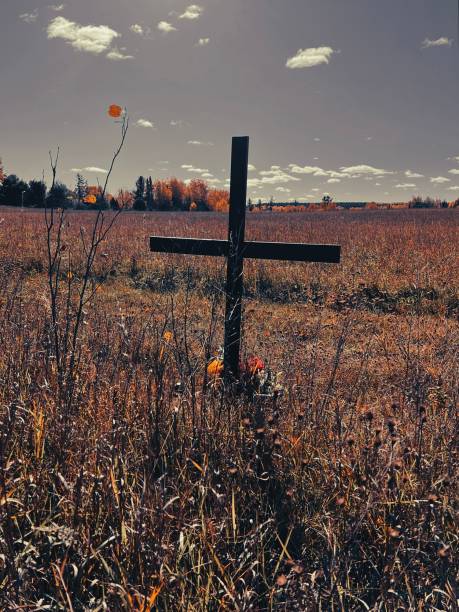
(236, 249)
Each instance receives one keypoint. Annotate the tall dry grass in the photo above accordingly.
(154, 488)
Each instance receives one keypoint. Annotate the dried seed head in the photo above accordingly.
(281, 580)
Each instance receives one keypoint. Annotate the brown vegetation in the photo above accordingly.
(129, 479)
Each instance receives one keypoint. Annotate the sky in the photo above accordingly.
(358, 99)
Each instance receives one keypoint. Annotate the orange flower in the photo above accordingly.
(215, 368)
(253, 365)
(115, 111)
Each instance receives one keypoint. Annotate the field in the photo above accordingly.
(129, 479)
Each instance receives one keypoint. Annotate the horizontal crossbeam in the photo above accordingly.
(320, 253)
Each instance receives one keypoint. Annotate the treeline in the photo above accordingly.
(171, 194)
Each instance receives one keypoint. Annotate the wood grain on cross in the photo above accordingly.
(236, 249)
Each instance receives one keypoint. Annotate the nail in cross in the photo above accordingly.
(236, 249)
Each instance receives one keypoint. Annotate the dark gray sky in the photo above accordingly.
(356, 98)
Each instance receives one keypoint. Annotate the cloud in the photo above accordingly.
(29, 17)
(316, 139)
(362, 170)
(443, 41)
(317, 171)
(137, 29)
(334, 180)
(95, 169)
(405, 186)
(194, 11)
(117, 55)
(199, 143)
(306, 58)
(283, 190)
(190, 168)
(454, 188)
(77, 170)
(202, 42)
(251, 168)
(274, 176)
(454, 171)
(144, 123)
(92, 39)
(440, 180)
(207, 175)
(56, 7)
(166, 27)
(410, 174)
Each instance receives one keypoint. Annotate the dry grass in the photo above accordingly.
(146, 486)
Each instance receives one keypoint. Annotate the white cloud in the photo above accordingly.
(454, 188)
(454, 171)
(95, 169)
(410, 174)
(363, 169)
(77, 170)
(92, 39)
(190, 168)
(334, 180)
(316, 139)
(56, 7)
(251, 168)
(443, 41)
(118, 55)
(306, 58)
(405, 186)
(194, 11)
(283, 190)
(145, 123)
(440, 179)
(29, 17)
(317, 171)
(199, 143)
(137, 29)
(203, 42)
(166, 27)
(213, 181)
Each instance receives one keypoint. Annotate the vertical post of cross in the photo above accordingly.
(234, 278)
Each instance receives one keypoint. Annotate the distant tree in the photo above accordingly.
(114, 204)
(456, 204)
(327, 201)
(162, 195)
(81, 188)
(250, 204)
(259, 204)
(178, 194)
(444, 204)
(218, 200)
(420, 202)
(124, 198)
(149, 200)
(139, 194)
(13, 191)
(57, 196)
(198, 193)
(36, 194)
(2, 172)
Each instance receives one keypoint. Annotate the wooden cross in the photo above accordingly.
(236, 249)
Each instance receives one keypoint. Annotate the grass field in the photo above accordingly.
(129, 480)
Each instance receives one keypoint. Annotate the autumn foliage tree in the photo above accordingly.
(218, 200)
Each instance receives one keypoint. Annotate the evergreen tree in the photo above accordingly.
(139, 194)
(149, 199)
(13, 191)
(81, 188)
(57, 196)
(36, 194)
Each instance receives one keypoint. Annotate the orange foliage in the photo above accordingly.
(218, 200)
